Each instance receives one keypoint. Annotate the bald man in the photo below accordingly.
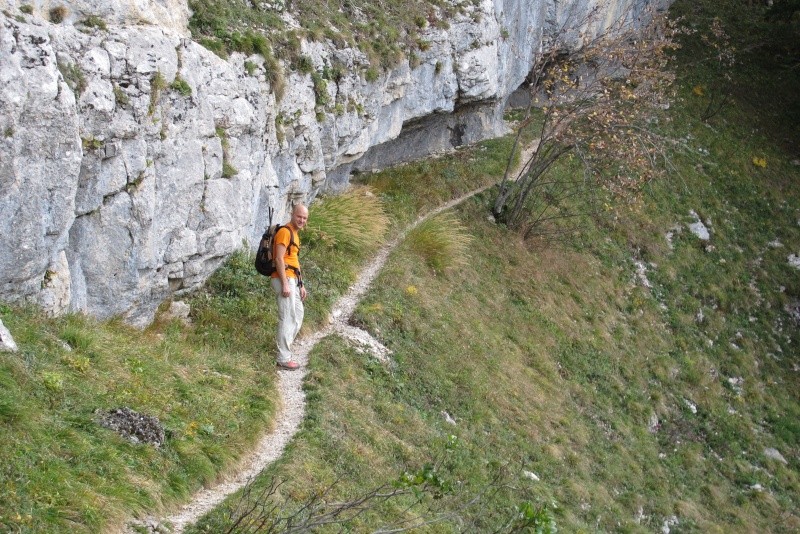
(287, 282)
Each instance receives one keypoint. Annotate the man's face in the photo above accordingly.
(300, 217)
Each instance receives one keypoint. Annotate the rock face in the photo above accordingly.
(133, 161)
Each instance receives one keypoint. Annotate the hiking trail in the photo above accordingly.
(290, 383)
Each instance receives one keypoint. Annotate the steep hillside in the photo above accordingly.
(639, 377)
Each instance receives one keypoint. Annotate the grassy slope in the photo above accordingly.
(552, 361)
(558, 361)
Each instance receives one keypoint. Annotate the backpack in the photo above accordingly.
(265, 260)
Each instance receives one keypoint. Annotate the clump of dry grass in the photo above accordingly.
(442, 242)
(352, 221)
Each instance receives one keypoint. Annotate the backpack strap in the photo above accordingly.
(288, 249)
(291, 240)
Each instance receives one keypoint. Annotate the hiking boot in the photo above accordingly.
(289, 366)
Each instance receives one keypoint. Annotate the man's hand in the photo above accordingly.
(286, 289)
(303, 293)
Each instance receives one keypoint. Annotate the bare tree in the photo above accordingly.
(594, 100)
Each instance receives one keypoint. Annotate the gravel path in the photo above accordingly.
(290, 383)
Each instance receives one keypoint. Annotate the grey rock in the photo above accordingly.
(115, 195)
(7, 343)
(179, 310)
(774, 454)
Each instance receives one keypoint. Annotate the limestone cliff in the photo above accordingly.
(133, 160)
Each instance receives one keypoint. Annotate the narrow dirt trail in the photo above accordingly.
(290, 383)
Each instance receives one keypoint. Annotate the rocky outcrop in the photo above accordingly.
(133, 161)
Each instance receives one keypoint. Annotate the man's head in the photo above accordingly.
(299, 216)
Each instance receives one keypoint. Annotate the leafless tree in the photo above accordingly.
(594, 100)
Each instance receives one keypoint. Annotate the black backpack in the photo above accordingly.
(265, 262)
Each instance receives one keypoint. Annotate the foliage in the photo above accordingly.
(442, 242)
(58, 14)
(599, 100)
(350, 221)
(181, 86)
(157, 84)
(228, 170)
(62, 471)
(93, 21)
(74, 77)
(120, 97)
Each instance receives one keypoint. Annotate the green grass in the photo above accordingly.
(552, 360)
(386, 33)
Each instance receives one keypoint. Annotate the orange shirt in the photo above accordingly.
(291, 258)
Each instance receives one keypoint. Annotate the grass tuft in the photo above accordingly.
(351, 221)
(442, 242)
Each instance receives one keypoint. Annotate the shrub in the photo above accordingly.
(27, 9)
(181, 86)
(441, 241)
(74, 77)
(58, 14)
(93, 21)
(228, 170)
(120, 97)
(371, 74)
(216, 46)
(320, 89)
(305, 65)
(157, 84)
(351, 221)
(275, 77)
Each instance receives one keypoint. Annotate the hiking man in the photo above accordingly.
(287, 283)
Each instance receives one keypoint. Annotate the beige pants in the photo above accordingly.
(290, 317)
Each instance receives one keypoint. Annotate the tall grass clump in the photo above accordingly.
(442, 242)
(352, 221)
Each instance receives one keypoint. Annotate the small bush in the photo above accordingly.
(250, 67)
(90, 143)
(216, 46)
(320, 89)
(74, 77)
(371, 74)
(157, 84)
(181, 86)
(305, 65)
(441, 241)
(58, 14)
(120, 97)
(93, 21)
(27, 9)
(275, 77)
(228, 170)
(351, 221)
(77, 338)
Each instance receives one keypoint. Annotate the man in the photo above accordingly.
(287, 283)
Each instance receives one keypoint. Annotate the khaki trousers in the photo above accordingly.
(290, 317)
